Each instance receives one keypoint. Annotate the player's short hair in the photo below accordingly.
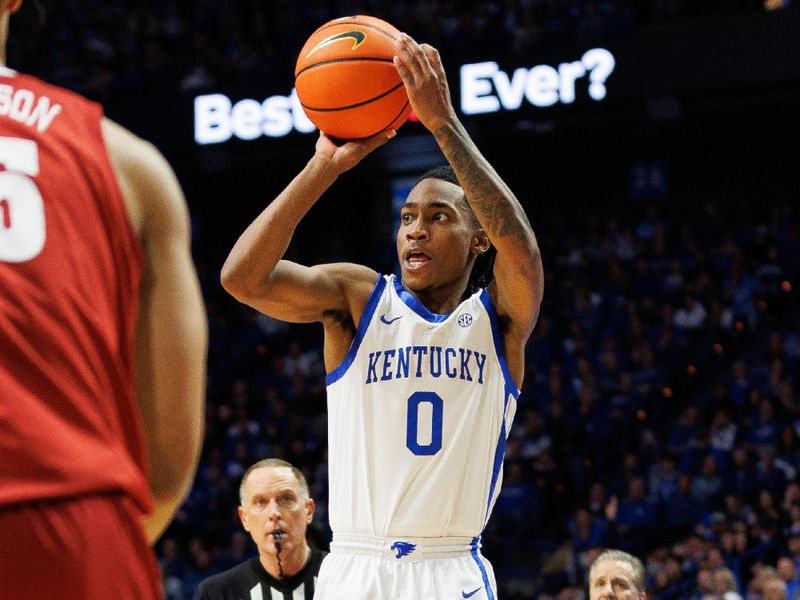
(635, 563)
(443, 172)
(482, 271)
(274, 462)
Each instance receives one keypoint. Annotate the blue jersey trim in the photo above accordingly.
(484, 575)
(418, 307)
(363, 324)
(499, 455)
(498, 343)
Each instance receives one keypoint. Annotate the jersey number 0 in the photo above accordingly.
(22, 229)
(412, 423)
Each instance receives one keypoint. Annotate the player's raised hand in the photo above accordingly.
(346, 156)
(421, 70)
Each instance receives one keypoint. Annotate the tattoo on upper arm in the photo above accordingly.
(485, 191)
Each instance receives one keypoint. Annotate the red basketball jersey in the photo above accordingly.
(70, 269)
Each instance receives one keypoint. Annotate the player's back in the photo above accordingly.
(70, 269)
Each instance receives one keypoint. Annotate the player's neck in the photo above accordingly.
(441, 300)
(290, 564)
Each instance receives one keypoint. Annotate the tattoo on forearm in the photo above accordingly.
(488, 196)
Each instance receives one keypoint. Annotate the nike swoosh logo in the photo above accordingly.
(472, 593)
(358, 37)
(390, 321)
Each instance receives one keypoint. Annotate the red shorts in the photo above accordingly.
(92, 548)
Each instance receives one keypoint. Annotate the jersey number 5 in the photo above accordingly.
(22, 229)
(412, 423)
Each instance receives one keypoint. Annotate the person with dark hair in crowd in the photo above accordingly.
(276, 510)
(423, 370)
(103, 336)
(617, 575)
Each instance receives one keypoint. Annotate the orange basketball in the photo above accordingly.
(346, 80)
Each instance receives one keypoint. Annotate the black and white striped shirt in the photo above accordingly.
(250, 581)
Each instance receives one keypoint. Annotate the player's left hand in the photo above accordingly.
(421, 70)
(346, 155)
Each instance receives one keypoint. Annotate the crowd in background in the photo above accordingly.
(111, 48)
(660, 412)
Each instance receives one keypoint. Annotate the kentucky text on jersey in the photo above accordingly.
(22, 105)
(421, 361)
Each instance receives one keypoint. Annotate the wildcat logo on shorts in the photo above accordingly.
(403, 548)
(465, 320)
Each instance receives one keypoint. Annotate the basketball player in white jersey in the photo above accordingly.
(423, 373)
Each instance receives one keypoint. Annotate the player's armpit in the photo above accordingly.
(518, 287)
(516, 292)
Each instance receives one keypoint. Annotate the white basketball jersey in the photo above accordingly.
(418, 415)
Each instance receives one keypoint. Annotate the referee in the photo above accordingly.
(276, 510)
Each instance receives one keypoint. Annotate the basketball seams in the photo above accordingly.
(337, 60)
(385, 127)
(357, 104)
(390, 123)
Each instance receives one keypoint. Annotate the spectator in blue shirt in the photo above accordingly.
(682, 510)
(707, 485)
(787, 571)
(635, 517)
(587, 531)
(768, 476)
(664, 480)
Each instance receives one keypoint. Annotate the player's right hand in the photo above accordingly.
(420, 67)
(347, 155)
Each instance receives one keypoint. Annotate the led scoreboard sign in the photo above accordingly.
(217, 119)
(485, 88)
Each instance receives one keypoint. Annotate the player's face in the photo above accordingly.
(274, 504)
(613, 580)
(437, 239)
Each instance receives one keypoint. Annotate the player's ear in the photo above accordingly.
(310, 507)
(480, 242)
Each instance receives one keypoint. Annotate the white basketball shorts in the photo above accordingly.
(370, 568)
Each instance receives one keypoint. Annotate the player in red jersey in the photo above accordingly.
(102, 347)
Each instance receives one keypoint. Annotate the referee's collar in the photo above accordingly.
(287, 584)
